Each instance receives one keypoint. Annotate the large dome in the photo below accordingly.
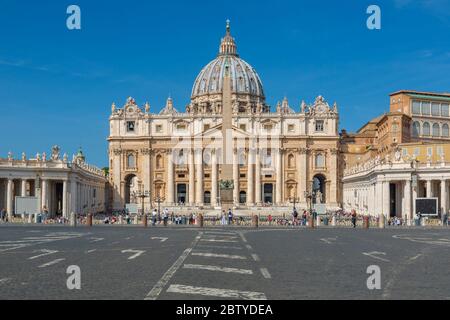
(245, 81)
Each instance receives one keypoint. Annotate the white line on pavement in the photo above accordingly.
(217, 268)
(217, 240)
(220, 233)
(156, 290)
(96, 239)
(215, 255)
(90, 251)
(4, 280)
(415, 257)
(242, 237)
(249, 247)
(213, 292)
(51, 263)
(374, 254)
(265, 273)
(46, 252)
(137, 253)
(255, 257)
(219, 247)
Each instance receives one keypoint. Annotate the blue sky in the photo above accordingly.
(57, 86)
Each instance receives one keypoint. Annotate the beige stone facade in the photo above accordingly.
(226, 135)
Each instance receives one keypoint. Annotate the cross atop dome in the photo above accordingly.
(228, 45)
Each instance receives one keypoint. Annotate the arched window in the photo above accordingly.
(320, 161)
(436, 130)
(445, 131)
(159, 162)
(416, 129)
(426, 129)
(291, 161)
(131, 161)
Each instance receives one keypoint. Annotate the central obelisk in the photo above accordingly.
(226, 174)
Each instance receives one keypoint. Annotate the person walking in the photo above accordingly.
(3, 215)
(354, 215)
(294, 217)
(165, 216)
(154, 216)
(230, 217)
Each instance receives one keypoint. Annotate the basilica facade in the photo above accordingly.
(227, 148)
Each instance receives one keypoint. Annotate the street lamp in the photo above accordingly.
(309, 195)
(294, 200)
(158, 199)
(141, 194)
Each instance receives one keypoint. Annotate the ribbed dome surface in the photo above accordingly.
(244, 78)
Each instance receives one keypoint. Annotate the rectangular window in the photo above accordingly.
(416, 107)
(405, 152)
(435, 109)
(268, 127)
(159, 128)
(130, 126)
(243, 127)
(291, 128)
(242, 175)
(440, 150)
(444, 107)
(429, 151)
(417, 151)
(206, 127)
(319, 126)
(426, 108)
(181, 127)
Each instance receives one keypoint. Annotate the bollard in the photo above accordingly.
(136, 220)
(318, 222)
(73, 219)
(30, 219)
(89, 220)
(120, 219)
(382, 222)
(311, 222)
(199, 221)
(255, 221)
(366, 222)
(145, 221)
(333, 221)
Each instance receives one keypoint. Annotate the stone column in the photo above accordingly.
(23, 192)
(414, 197)
(443, 196)
(236, 177)
(407, 196)
(250, 178)
(9, 198)
(302, 176)
(73, 196)
(429, 191)
(386, 199)
(170, 179)
(214, 181)
(64, 202)
(191, 178)
(199, 185)
(279, 182)
(334, 177)
(44, 194)
(146, 172)
(258, 178)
